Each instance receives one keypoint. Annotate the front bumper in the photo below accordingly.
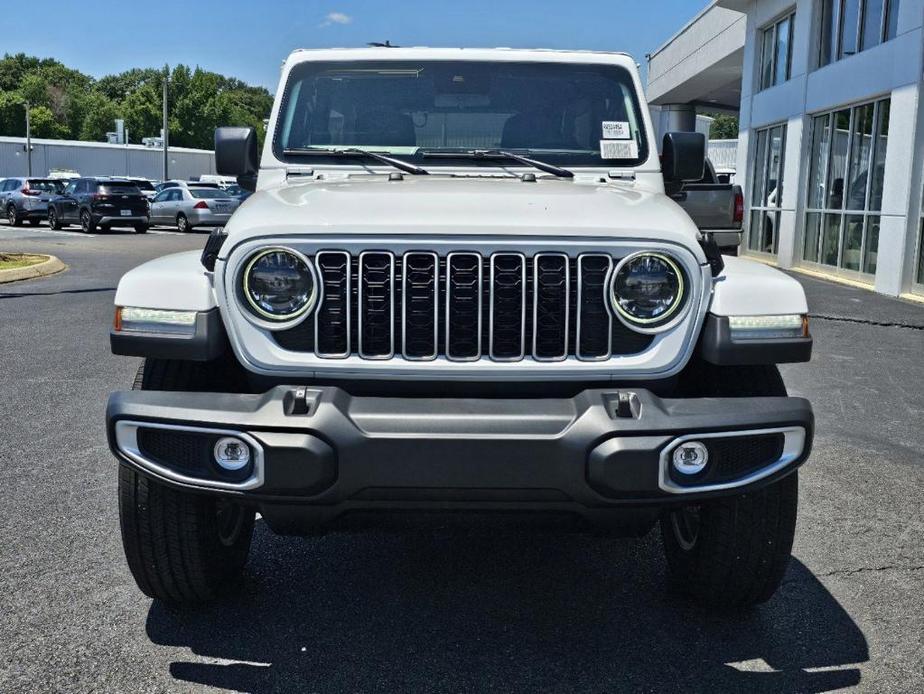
(598, 451)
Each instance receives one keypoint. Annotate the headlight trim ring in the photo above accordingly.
(664, 322)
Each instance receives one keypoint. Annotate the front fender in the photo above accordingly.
(749, 288)
(177, 282)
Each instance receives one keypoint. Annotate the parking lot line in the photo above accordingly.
(168, 233)
(40, 230)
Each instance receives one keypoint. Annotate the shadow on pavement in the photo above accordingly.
(513, 611)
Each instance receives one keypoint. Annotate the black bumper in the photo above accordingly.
(587, 455)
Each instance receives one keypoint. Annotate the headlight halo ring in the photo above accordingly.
(676, 313)
(261, 318)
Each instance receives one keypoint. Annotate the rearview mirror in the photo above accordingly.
(683, 157)
(236, 155)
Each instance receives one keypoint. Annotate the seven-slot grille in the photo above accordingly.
(464, 306)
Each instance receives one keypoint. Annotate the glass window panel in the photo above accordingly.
(829, 22)
(768, 238)
(859, 157)
(754, 229)
(837, 168)
(775, 167)
(821, 143)
(892, 19)
(849, 26)
(882, 142)
(810, 243)
(872, 23)
(758, 194)
(781, 61)
(872, 245)
(830, 239)
(766, 60)
(853, 241)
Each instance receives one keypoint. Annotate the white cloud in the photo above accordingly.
(336, 18)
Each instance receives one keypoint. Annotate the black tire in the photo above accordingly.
(53, 220)
(181, 548)
(11, 217)
(182, 224)
(141, 228)
(731, 553)
(87, 225)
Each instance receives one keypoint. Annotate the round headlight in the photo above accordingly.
(279, 285)
(647, 290)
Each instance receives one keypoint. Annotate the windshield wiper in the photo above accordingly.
(502, 154)
(357, 152)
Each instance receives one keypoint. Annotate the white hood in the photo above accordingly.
(443, 205)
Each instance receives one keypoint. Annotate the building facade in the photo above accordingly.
(831, 142)
(101, 159)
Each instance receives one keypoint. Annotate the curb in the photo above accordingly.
(50, 266)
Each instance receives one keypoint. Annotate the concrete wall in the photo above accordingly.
(100, 159)
(894, 69)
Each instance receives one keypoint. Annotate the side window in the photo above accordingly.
(70, 188)
(162, 196)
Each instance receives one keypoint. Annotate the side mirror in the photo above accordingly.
(683, 157)
(236, 155)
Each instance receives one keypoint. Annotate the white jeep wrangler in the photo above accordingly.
(460, 286)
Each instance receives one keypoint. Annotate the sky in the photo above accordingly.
(249, 40)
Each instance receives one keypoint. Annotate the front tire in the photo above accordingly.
(53, 220)
(731, 553)
(181, 548)
(141, 228)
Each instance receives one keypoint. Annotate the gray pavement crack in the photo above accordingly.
(868, 569)
(866, 321)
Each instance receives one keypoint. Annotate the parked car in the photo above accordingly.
(716, 208)
(522, 333)
(183, 184)
(26, 199)
(238, 192)
(99, 202)
(190, 207)
(145, 186)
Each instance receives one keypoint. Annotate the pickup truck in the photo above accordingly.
(459, 288)
(716, 208)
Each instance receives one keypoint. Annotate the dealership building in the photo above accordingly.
(831, 144)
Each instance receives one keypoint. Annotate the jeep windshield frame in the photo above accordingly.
(412, 109)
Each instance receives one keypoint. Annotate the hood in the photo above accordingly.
(441, 205)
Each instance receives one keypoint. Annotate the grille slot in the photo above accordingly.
(594, 322)
(332, 319)
(376, 319)
(507, 327)
(420, 305)
(463, 307)
(551, 304)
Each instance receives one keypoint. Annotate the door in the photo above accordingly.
(67, 205)
(159, 206)
(6, 189)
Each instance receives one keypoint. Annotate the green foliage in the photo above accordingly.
(67, 104)
(724, 127)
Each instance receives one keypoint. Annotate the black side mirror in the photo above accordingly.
(236, 155)
(683, 157)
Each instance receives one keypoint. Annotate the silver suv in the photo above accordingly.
(27, 199)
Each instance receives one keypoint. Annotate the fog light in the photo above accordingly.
(690, 457)
(232, 454)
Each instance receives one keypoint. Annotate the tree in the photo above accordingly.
(44, 124)
(724, 127)
(101, 113)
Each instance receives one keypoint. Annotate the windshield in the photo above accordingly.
(572, 115)
(143, 185)
(118, 188)
(47, 186)
(208, 193)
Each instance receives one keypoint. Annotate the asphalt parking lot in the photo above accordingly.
(447, 609)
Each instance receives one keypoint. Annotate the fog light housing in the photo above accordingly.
(231, 454)
(690, 457)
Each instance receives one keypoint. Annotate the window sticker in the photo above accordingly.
(616, 130)
(618, 149)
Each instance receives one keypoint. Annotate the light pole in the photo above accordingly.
(166, 137)
(28, 141)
